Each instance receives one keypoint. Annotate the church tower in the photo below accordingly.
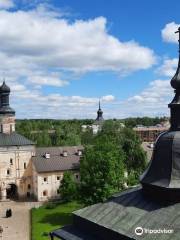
(99, 113)
(7, 114)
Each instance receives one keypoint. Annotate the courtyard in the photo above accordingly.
(17, 226)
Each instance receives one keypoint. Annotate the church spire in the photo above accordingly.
(99, 105)
(99, 113)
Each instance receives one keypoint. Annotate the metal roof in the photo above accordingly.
(56, 161)
(14, 139)
(120, 216)
(163, 174)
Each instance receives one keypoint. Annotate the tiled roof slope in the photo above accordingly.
(118, 218)
(56, 162)
(14, 139)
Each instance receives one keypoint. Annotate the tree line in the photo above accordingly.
(49, 132)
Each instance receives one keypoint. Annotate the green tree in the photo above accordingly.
(68, 187)
(101, 170)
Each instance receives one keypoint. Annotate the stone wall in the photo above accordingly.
(16, 168)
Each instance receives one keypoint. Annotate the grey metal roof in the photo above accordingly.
(118, 218)
(14, 139)
(56, 162)
(71, 233)
(164, 169)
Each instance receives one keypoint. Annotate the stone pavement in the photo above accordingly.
(16, 227)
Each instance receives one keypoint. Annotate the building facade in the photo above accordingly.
(27, 171)
(150, 134)
(49, 165)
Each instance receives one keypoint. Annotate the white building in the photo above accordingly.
(49, 166)
(27, 171)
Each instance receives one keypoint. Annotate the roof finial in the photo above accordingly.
(178, 31)
(175, 81)
(99, 104)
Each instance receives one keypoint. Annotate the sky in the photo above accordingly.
(60, 57)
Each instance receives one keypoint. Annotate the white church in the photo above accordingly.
(27, 171)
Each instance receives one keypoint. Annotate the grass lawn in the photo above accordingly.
(51, 217)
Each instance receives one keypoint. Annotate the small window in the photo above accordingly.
(8, 172)
(45, 179)
(11, 128)
(25, 166)
(29, 186)
(57, 191)
(11, 161)
(45, 193)
(58, 178)
(77, 176)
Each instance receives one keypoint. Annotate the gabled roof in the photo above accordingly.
(56, 161)
(14, 139)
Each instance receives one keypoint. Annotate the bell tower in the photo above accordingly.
(99, 113)
(7, 114)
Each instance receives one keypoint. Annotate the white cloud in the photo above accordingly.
(168, 67)
(39, 45)
(152, 101)
(108, 98)
(38, 37)
(6, 4)
(47, 80)
(168, 32)
(54, 105)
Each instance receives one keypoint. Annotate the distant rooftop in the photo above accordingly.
(57, 160)
(14, 139)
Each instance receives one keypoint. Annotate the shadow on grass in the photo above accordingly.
(59, 219)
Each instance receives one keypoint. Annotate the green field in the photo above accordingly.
(51, 217)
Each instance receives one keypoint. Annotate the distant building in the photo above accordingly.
(149, 134)
(97, 125)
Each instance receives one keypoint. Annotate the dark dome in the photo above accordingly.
(4, 88)
(163, 173)
(175, 81)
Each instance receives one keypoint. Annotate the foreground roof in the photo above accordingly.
(119, 217)
(56, 161)
(14, 139)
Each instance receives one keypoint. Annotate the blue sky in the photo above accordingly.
(59, 57)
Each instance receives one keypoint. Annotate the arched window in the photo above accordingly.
(25, 166)
(8, 172)
(45, 193)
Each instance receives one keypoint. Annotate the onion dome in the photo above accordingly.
(4, 88)
(161, 180)
(4, 100)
